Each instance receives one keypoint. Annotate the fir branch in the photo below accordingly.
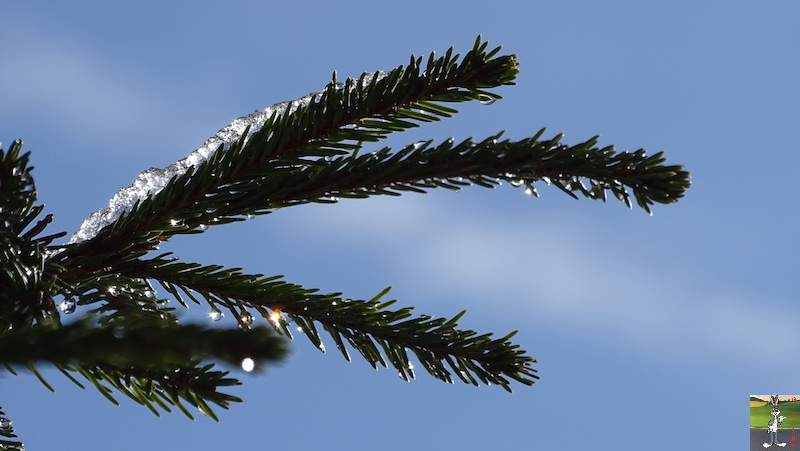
(125, 299)
(7, 430)
(155, 365)
(286, 162)
(293, 153)
(308, 152)
(361, 323)
(336, 122)
(160, 347)
(17, 189)
(27, 275)
(485, 163)
(197, 386)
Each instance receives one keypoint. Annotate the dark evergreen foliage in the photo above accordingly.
(129, 339)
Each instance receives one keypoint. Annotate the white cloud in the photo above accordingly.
(60, 80)
(553, 274)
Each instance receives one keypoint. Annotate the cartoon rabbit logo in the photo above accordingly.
(773, 424)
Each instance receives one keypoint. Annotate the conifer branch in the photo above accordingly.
(361, 323)
(157, 347)
(7, 430)
(155, 366)
(160, 389)
(339, 120)
(310, 150)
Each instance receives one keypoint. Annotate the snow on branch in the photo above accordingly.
(151, 181)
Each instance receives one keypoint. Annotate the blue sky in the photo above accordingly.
(670, 320)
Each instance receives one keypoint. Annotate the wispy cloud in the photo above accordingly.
(60, 80)
(552, 273)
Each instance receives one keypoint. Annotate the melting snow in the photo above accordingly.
(153, 180)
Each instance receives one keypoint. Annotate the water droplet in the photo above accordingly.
(246, 319)
(275, 318)
(321, 347)
(5, 423)
(248, 364)
(299, 329)
(202, 227)
(216, 315)
(68, 306)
